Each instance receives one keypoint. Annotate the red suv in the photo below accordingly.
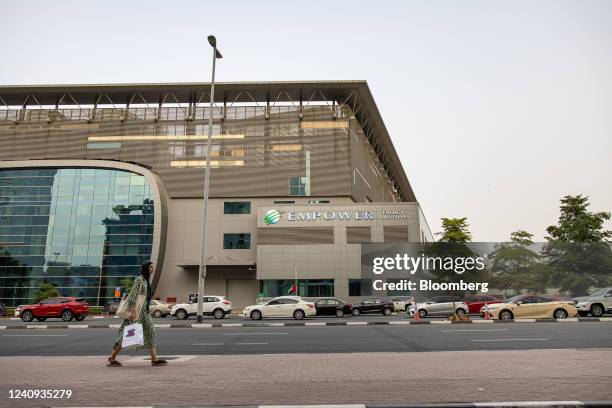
(475, 302)
(65, 308)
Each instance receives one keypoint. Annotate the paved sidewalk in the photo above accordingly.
(372, 378)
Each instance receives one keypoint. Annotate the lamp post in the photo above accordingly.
(202, 270)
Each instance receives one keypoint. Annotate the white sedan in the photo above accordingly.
(282, 306)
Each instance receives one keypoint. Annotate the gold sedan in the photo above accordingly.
(157, 308)
(529, 306)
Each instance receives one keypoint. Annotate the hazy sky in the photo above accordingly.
(496, 108)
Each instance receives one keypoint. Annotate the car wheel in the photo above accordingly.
(67, 315)
(422, 313)
(27, 316)
(256, 315)
(460, 312)
(506, 315)
(181, 314)
(339, 313)
(298, 314)
(387, 312)
(41, 319)
(157, 314)
(597, 310)
(355, 312)
(219, 314)
(80, 318)
(560, 314)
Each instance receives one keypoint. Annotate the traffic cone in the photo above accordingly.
(416, 316)
(487, 315)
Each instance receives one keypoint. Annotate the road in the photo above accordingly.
(316, 339)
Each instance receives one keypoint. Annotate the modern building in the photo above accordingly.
(96, 179)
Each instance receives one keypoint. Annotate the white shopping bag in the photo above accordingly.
(132, 335)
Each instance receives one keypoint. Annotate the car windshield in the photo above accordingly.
(514, 299)
(599, 292)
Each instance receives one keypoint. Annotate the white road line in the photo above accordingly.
(482, 321)
(36, 326)
(207, 344)
(568, 320)
(78, 326)
(474, 330)
(529, 404)
(34, 335)
(248, 334)
(511, 340)
(314, 406)
(250, 344)
(396, 322)
(201, 325)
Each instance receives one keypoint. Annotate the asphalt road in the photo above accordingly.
(314, 339)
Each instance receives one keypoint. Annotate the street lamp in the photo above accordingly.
(202, 275)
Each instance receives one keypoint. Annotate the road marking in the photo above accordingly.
(483, 321)
(248, 334)
(36, 326)
(34, 335)
(605, 319)
(201, 325)
(315, 324)
(440, 322)
(250, 344)
(2, 327)
(512, 340)
(524, 320)
(568, 320)
(474, 330)
(78, 326)
(207, 344)
(397, 322)
(529, 404)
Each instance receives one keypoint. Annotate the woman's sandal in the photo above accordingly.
(113, 363)
(159, 362)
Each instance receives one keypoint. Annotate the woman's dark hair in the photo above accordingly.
(144, 269)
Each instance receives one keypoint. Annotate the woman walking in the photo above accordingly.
(141, 286)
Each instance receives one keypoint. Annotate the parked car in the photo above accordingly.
(2, 310)
(216, 306)
(282, 306)
(597, 303)
(401, 303)
(530, 306)
(332, 307)
(111, 307)
(476, 302)
(158, 308)
(66, 308)
(373, 305)
(440, 305)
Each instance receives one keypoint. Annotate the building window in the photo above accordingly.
(360, 287)
(283, 202)
(318, 202)
(236, 207)
(297, 186)
(305, 287)
(236, 241)
(176, 149)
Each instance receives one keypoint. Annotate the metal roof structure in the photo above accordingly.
(355, 94)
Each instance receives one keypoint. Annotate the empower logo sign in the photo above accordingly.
(273, 216)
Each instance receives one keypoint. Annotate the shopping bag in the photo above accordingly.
(122, 310)
(132, 335)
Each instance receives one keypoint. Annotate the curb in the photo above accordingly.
(309, 323)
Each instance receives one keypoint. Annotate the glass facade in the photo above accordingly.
(360, 287)
(81, 229)
(306, 287)
(237, 207)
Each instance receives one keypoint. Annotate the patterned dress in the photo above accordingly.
(139, 288)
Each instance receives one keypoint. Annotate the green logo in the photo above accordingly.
(271, 217)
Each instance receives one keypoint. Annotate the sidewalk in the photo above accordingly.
(372, 378)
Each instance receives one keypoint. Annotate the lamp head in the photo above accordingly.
(212, 41)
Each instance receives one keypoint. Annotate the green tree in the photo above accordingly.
(578, 249)
(576, 224)
(517, 267)
(127, 283)
(455, 230)
(45, 290)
